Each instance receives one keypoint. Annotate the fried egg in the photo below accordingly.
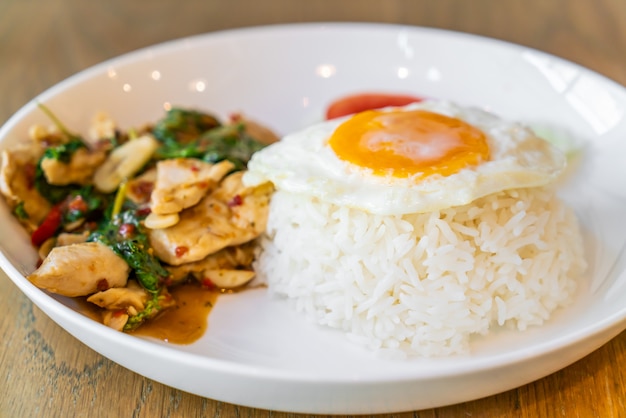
(418, 158)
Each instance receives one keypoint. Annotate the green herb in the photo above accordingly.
(52, 193)
(57, 122)
(229, 142)
(20, 212)
(152, 308)
(182, 126)
(190, 134)
(63, 153)
(125, 235)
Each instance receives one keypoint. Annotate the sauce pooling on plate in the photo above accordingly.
(187, 321)
(183, 324)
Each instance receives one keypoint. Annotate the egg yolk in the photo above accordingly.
(410, 143)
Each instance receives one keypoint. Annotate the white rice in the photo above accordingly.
(422, 284)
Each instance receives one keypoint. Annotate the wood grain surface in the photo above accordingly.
(44, 372)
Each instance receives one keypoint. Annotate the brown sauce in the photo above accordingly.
(187, 321)
(89, 309)
(182, 324)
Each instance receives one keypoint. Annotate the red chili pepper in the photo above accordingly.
(48, 226)
(237, 200)
(367, 101)
(145, 211)
(119, 313)
(91, 226)
(78, 204)
(126, 230)
(202, 184)
(142, 189)
(102, 285)
(181, 251)
(30, 174)
(206, 282)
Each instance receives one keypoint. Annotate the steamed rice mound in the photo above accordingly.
(422, 284)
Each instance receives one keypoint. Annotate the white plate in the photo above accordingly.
(256, 352)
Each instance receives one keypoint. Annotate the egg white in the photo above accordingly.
(302, 162)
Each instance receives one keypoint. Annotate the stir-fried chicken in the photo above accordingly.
(120, 217)
(123, 302)
(17, 171)
(182, 182)
(64, 238)
(231, 215)
(233, 259)
(102, 126)
(115, 319)
(80, 270)
(132, 296)
(79, 170)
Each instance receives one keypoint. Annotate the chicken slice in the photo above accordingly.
(79, 170)
(231, 215)
(102, 127)
(115, 319)
(133, 295)
(64, 238)
(230, 258)
(80, 270)
(17, 170)
(248, 205)
(182, 182)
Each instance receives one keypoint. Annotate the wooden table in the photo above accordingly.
(46, 372)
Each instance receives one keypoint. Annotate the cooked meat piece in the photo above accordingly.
(115, 319)
(231, 215)
(121, 304)
(231, 258)
(45, 248)
(133, 295)
(182, 182)
(248, 205)
(80, 270)
(66, 238)
(102, 127)
(79, 170)
(17, 171)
